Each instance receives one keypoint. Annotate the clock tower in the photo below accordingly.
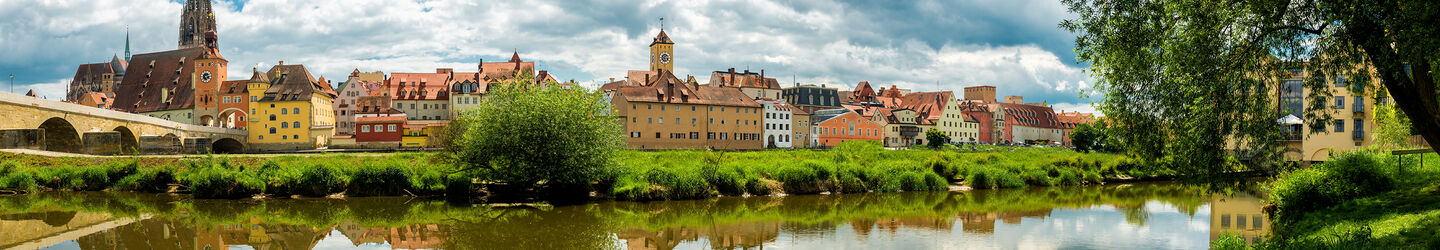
(662, 52)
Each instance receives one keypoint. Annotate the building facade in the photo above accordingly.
(1031, 124)
(422, 96)
(835, 126)
(779, 123)
(803, 135)
(96, 78)
(810, 97)
(293, 110)
(358, 85)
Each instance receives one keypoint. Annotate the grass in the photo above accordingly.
(854, 167)
(1359, 201)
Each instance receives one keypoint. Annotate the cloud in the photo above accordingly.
(921, 45)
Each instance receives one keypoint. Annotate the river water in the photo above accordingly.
(1132, 216)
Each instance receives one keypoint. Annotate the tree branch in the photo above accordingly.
(1316, 31)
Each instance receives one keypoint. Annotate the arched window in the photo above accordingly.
(297, 111)
(272, 117)
(297, 125)
(284, 125)
(272, 131)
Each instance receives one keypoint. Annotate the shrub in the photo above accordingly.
(677, 184)
(798, 180)
(727, 179)
(378, 180)
(17, 182)
(1349, 176)
(936, 183)
(1364, 170)
(319, 180)
(1036, 177)
(762, 186)
(155, 179)
(218, 182)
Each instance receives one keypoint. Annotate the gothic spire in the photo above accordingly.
(196, 20)
(127, 43)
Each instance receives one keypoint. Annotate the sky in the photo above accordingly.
(923, 45)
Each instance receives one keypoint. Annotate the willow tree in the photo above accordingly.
(1184, 78)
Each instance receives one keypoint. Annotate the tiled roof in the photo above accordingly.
(1030, 115)
(930, 105)
(369, 119)
(152, 76)
(666, 88)
(419, 86)
(662, 38)
(293, 83)
(233, 87)
(744, 79)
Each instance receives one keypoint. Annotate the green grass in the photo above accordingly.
(1359, 201)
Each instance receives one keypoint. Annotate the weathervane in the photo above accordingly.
(662, 23)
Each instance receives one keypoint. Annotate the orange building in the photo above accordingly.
(839, 125)
(234, 104)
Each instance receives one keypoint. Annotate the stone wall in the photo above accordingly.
(22, 139)
(101, 143)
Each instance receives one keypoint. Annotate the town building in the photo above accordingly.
(943, 111)
(386, 129)
(358, 85)
(97, 100)
(803, 135)
(468, 89)
(292, 110)
(234, 104)
(835, 126)
(984, 119)
(985, 94)
(1031, 124)
(1351, 110)
(658, 110)
(779, 124)
(754, 85)
(422, 96)
(810, 97)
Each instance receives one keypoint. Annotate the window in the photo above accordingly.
(1339, 102)
(412, 106)
(297, 125)
(297, 111)
(657, 135)
(392, 127)
(284, 137)
(365, 128)
(1340, 81)
(272, 117)
(1339, 125)
(272, 130)
(284, 125)
(662, 119)
(693, 121)
(283, 111)
(692, 108)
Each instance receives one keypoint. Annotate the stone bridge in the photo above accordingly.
(34, 123)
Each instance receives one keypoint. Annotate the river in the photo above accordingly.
(1131, 216)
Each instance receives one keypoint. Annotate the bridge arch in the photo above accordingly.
(209, 121)
(232, 118)
(61, 136)
(227, 146)
(128, 142)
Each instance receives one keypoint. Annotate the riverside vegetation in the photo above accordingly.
(1359, 200)
(855, 167)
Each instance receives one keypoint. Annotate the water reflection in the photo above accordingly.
(1150, 216)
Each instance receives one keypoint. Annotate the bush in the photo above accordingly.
(936, 183)
(373, 180)
(155, 179)
(727, 179)
(798, 179)
(319, 180)
(523, 134)
(678, 185)
(17, 182)
(219, 182)
(762, 186)
(1349, 176)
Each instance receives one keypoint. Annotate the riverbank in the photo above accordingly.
(1362, 200)
(637, 176)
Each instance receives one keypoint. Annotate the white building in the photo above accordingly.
(778, 123)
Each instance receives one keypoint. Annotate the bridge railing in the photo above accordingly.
(23, 100)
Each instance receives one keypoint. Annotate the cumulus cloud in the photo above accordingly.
(921, 45)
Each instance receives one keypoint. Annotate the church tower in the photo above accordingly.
(196, 21)
(662, 52)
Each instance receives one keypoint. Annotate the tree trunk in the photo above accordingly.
(1415, 96)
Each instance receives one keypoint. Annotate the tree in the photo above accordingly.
(936, 139)
(530, 134)
(1393, 128)
(1185, 78)
(1086, 138)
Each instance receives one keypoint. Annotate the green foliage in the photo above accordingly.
(935, 139)
(1392, 127)
(1090, 137)
(1351, 175)
(523, 134)
(155, 179)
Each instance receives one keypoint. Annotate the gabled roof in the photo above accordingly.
(233, 87)
(293, 83)
(1030, 115)
(931, 105)
(746, 79)
(152, 76)
(666, 88)
(419, 86)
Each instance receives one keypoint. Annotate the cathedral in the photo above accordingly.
(180, 85)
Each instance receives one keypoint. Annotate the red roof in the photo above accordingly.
(378, 119)
(1030, 115)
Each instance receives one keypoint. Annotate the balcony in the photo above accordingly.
(909, 131)
(1358, 135)
(1359, 107)
(1291, 137)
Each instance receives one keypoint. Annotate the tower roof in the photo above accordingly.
(662, 38)
(259, 77)
(515, 58)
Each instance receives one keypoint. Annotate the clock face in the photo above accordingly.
(665, 57)
(205, 76)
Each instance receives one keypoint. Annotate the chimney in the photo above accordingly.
(282, 63)
(762, 74)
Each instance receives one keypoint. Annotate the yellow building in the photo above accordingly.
(290, 110)
(1349, 128)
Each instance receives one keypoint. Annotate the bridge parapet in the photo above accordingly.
(62, 125)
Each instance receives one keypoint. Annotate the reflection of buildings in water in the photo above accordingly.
(1240, 215)
(984, 223)
(864, 227)
(426, 236)
(161, 234)
(735, 235)
(40, 229)
(263, 237)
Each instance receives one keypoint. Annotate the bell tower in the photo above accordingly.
(195, 22)
(662, 51)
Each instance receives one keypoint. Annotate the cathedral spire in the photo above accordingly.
(195, 22)
(127, 43)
